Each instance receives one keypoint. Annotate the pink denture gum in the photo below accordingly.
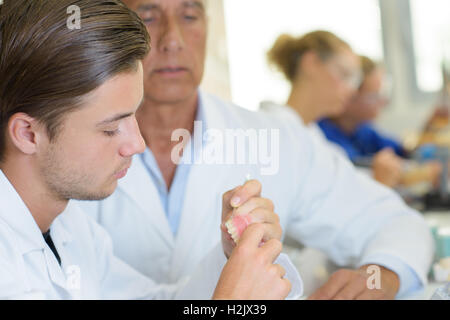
(236, 225)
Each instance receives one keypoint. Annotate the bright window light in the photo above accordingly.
(431, 36)
(252, 27)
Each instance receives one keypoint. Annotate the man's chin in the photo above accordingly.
(173, 92)
(95, 196)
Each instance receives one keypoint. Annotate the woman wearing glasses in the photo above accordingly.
(324, 74)
(322, 70)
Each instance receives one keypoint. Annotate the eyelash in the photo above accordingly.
(193, 18)
(187, 17)
(111, 133)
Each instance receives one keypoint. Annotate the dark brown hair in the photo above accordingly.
(46, 68)
(288, 50)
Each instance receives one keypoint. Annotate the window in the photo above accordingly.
(431, 38)
(253, 26)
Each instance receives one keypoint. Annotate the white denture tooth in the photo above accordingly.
(232, 230)
(229, 226)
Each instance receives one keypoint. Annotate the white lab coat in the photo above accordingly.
(320, 200)
(314, 130)
(286, 112)
(89, 270)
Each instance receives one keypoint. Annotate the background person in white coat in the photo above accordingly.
(68, 131)
(323, 72)
(320, 200)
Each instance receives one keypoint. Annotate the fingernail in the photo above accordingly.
(235, 201)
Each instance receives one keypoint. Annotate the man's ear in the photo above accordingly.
(22, 130)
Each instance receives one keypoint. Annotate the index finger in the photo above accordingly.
(226, 198)
(252, 236)
(242, 194)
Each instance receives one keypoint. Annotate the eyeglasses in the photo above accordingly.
(373, 99)
(382, 96)
(352, 77)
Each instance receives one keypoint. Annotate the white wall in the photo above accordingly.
(217, 79)
(406, 113)
(254, 25)
(229, 79)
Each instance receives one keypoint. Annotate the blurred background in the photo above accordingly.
(411, 37)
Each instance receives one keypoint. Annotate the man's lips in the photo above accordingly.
(171, 70)
(122, 173)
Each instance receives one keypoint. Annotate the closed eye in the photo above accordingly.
(111, 133)
(148, 20)
(192, 18)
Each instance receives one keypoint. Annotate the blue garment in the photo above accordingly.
(364, 142)
(172, 199)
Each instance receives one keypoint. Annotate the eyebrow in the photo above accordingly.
(195, 4)
(147, 6)
(118, 116)
(186, 4)
(114, 119)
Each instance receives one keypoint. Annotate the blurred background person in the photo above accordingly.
(354, 132)
(323, 72)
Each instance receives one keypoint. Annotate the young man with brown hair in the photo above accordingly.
(68, 99)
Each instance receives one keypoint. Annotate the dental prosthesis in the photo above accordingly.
(236, 225)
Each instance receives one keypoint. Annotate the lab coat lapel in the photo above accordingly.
(196, 214)
(138, 185)
(198, 205)
(55, 271)
(63, 241)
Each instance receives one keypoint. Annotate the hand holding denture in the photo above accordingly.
(250, 272)
(243, 206)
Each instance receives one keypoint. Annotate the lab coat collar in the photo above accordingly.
(17, 216)
(210, 112)
(140, 188)
(61, 225)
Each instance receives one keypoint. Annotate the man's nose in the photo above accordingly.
(172, 37)
(135, 142)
